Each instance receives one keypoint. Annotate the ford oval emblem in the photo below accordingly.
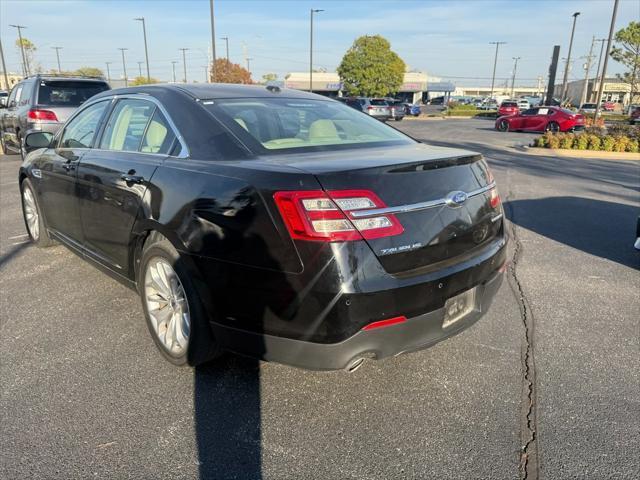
(456, 199)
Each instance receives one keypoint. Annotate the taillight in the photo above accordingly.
(36, 114)
(326, 216)
(494, 198)
(370, 107)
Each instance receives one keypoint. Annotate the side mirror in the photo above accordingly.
(35, 140)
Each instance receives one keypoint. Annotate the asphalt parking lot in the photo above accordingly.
(548, 379)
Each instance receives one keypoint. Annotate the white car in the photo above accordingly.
(524, 105)
(588, 108)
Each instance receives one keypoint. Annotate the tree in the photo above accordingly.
(29, 49)
(269, 77)
(370, 68)
(627, 52)
(89, 72)
(143, 81)
(227, 72)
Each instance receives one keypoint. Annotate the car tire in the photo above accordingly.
(33, 217)
(399, 119)
(503, 126)
(182, 333)
(552, 127)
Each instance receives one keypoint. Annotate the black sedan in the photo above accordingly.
(271, 223)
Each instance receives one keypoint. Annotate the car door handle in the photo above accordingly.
(69, 166)
(132, 178)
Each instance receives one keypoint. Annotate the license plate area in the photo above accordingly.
(456, 308)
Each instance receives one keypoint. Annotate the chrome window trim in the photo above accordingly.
(414, 207)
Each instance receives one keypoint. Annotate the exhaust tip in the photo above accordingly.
(355, 365)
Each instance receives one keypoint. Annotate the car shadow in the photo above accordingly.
(12, 252)
(600, 228)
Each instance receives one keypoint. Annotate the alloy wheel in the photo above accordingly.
(31, 213)
(167, 306)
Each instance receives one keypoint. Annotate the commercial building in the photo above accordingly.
(518, 91)
(614, 90)
(13, 79)
(416, 86)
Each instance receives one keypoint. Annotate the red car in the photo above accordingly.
(608, 106)
(542, 119)
(508, 108)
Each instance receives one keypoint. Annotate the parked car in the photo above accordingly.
(488, 105)
(588, 108)
(3, 98)
(608, 106)
(374, 107)
(637, 242)
(437, 101)
(523, 104)
(43, 102)
(542, 119)
(412, 109)
(350, 240)
(635, 116)
(508, 107)
(396, 108)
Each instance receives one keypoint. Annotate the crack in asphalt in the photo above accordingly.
(528, 450)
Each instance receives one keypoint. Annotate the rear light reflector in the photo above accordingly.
(36, 114)
(326, 216)
(385, 323)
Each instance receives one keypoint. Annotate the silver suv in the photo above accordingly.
(378, 108)
(43, 103)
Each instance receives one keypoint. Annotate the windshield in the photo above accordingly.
(68, 93)
(286, 123)
(509, 104)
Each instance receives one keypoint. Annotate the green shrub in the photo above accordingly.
(608, 142)
(621, 144)
(553, 141)
(566, 141)
(581, 141)
(594, 142)
(540, 142)
(633, 146)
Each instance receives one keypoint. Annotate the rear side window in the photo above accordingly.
(68, 93)
(378, 101)
(159, 137)
(80, 131)
(127, 126)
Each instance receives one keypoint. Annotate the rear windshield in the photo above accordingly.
(68, 93)
(589, 105)
(288, 124)
(378, 101)
(509, 104)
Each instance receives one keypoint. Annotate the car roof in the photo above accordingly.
(205, 91)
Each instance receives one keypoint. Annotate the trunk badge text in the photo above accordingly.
(456, 199)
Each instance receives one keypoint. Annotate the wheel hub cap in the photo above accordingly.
(167, 305)
(31, 213)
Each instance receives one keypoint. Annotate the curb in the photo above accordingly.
(581, 154)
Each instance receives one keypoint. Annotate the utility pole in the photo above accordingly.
(206, 73)
(606, 58)
(140, 68)
(553, 68)
(249, 64)
(597, 78)
(173, 68)
(583, 97)
(311, 49)
(4, 68)
(513, 78)
(57, 49)
(108, 72)
(146, 51)
(25, 64)
(539, 85)
(566, 66)
(184, 62)
(495, 62)
(213, 44)
(226, 39)
(124, 67)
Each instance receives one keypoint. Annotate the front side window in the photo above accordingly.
(285, 124)
(81, 130)
(127, 125)
(16, 98)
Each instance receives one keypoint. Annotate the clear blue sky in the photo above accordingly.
(444, 38)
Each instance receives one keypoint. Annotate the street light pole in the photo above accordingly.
(173, 68)
(213, 44)
(184, 62)
(108, 72)
(140, 68)
(146, 51)
(597, 78)
(4, 68)
(249, 64)
(312, 11)
(513, 77)
(583, 97)
(566, 66)
(226, 39)
(606, 58)
(57, 49)
(25, 65)
(124, 67)
(495, 62)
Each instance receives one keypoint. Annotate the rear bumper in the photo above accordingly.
(416, 333)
